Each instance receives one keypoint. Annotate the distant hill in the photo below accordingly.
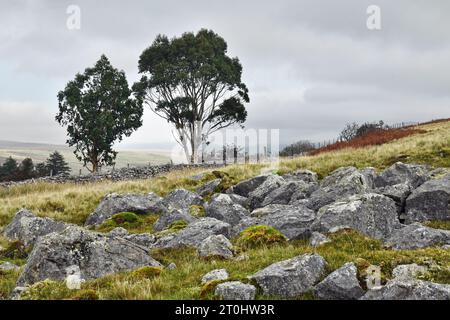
(40, 151)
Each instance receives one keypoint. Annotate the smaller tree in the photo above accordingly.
(56, 165)
(349, 132)
(42, 170)
(97, 109)
(9, 169)
(26, 169)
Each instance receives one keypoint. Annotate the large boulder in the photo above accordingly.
(371, 214)
(411, 174)
(289, 191)
(222, 207)
(293, 221)
(194, 234)
(341, 183)
(244, 188)
(430, 201)
(292, 277)
(341, 284)
(257, 196)
(114, 203)
(142, 239)
(235, 290)
(408, 271)
(216, 246)
(171, 215)
(409, 290)
(415, 236)
(27, 228)
(182, 199)
(94, 254)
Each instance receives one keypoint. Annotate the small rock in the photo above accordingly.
(408, 271)
(257, 196)
(208, 187)
(341, 284)
(194, 234)
(170, 216)
(7, 266)
(415, 236)
(216, 246)
(171, 266)
(409, 290)
(302, 175)
(244, 188)
(27, 228)
(130, 202)
(182, 199)
(235, 290)
(217, 274)
(291, 277)
(289, 191)
(317, 239)
(223, 208)
(242, 257)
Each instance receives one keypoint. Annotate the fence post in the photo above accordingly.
(224, 155)
(235, 154)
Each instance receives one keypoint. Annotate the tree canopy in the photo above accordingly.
(98, 109)
(191, 82)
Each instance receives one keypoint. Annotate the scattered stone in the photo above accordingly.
(171, 266)
(194, 234)
(244, 188)
(94, 254)
(290, 278)
(293, 221)
(208, 188)
(240, 200)
(217, 274)
(242, 257)
(216, 246)
(235, 290)
(409, 290)
(302, 175)
(17, 292)
(257, 196)
(317, 239)
(415, 236)
(130, 202)
(182, 199)
(142, 239)
(430, 201)
(170, 216)
(8, 266)
(371, 214)
(408, 271)
(341, 284)
(223, 208)
(27, 228)
(398, 173)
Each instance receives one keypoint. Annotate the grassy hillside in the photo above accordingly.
(73, 203)
(39, 153)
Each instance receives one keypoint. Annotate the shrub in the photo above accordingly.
(147, 272)
(86, 294)
(260, 236)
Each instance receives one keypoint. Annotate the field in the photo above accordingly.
(73, 203)
(40, 152)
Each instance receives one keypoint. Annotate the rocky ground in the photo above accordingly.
(392, 207)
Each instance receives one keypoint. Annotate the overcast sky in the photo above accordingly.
(311, 66)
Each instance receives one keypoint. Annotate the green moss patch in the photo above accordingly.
(260, 235)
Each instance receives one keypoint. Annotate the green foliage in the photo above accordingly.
(97, 110)
(125, 217)
(439, 224)
(192, 83)
(260, 235)
(177, 225)
(197, 211)
(56, 165)
(86, 294)
(146, 272)
(15, 250)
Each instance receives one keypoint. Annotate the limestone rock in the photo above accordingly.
(235, 290)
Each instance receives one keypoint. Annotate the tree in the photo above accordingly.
(98, 110)
(297, 148)
(56, 165)
(191, 82)
(9, 169)
(42, 170)
(26, 169)
(349, 132)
